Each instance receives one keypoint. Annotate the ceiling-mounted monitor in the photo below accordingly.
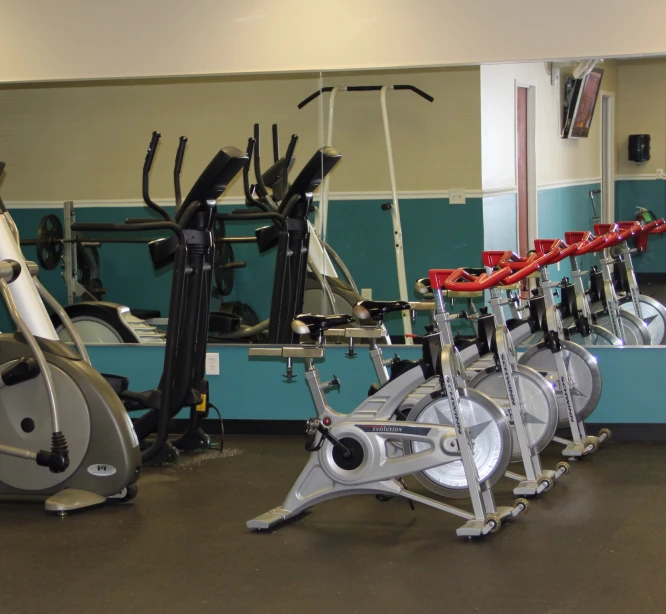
(580, 98)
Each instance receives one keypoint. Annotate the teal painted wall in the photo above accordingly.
(436, 234)
(565, 209)
(253, 388)
(500, 227)
(650, 194)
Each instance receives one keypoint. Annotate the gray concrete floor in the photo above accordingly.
(596, 543)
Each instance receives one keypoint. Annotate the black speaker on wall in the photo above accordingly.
(639, 148)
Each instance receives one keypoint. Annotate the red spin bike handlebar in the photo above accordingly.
(521, 268)
(553, 246)
(659, 228)
(595, 244)
(448, 279)
(586, 241)
(614, 233)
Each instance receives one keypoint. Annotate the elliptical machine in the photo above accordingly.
(290, 234)
(192, 252)
(49, 392)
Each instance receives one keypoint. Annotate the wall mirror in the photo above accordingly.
(484, 166)
(475, 160)
(85, 144)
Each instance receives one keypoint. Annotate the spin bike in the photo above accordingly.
(625, 325)
(570, 368)
(492, 369)
(578, 319)
(354, 453)
(49, 392)
(651, 311)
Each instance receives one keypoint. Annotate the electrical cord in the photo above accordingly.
(219, 415)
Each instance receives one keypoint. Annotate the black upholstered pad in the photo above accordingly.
(378, 309)
(318, 323)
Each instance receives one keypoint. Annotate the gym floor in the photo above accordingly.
(595, 544)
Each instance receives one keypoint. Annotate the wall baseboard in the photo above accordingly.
(622, 432)
(627, 432)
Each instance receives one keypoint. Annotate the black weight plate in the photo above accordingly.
(49, 243)
(219, 230)
(224, 276)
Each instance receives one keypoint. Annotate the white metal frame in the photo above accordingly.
(607, 157)
(321, 224)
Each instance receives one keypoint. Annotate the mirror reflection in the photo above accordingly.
(507, 157)
(435, 167)
(76, 153)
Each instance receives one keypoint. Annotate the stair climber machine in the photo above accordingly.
(68, 437)
(569, 367)
(192, 252)
(646, 308)
(491, 368)
(368, 451)
(287, 206)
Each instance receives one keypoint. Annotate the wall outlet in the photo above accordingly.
(457, 197)
(212, 364)
(660, 173)
(366, 293)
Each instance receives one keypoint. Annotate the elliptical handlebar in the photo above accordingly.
(287, 161)
(147, 165)
(178, 165)
(249, 197)
(261, 187)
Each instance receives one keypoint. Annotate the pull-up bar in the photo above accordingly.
(364, 88)
(322, 219)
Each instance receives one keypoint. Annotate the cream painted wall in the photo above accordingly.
(84, 39)
(557, 160)
(436, 146)
(87, 142)
(642, 110)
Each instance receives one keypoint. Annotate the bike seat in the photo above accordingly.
(314, 325)
(376, 310)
